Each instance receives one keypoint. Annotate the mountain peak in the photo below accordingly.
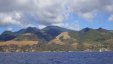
(7, 32)
(86, 29)
(56, 28)
(28, 30)
(52, 27)
(31, 28)
(101, 29)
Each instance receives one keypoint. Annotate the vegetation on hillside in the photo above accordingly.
(53, 38)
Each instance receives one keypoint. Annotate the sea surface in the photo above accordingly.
(57, 58)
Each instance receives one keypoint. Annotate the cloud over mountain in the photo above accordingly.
(50, 12)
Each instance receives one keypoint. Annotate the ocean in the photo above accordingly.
(57, 58)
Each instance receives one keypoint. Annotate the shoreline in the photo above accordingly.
(59, 52)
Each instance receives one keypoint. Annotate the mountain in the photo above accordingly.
(28, 30)
(26, 37)
(45, 34)
(56, 38)
(94, 35)
(86, 29)
(101, 30)
(60, 38)
(50, 32)
(84, 39)
(7, 35)
(63, 42)
(54, 31)
(35, 33)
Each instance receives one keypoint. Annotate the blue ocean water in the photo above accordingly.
(57, 58)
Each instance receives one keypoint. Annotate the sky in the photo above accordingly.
(71, 14)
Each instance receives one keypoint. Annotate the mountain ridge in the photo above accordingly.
(50, 31)
(55, 38)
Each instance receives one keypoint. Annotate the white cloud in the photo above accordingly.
(44, 11)
(9, 29)
(41, 26)
(9, 19)
(110, 18)
(73, 25)
(49, 12)
(87, 15)
(109, 8)
(88, 9)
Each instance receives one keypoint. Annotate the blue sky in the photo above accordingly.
(71, 14)
(99, 21)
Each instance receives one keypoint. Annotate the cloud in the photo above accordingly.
(110, 18)
(15, 5)
(73, 25)
(9, 19)
(9, 29)
(49, 12)
(88, 9)
(88, 15)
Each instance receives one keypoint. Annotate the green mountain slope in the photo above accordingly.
(55, 38)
